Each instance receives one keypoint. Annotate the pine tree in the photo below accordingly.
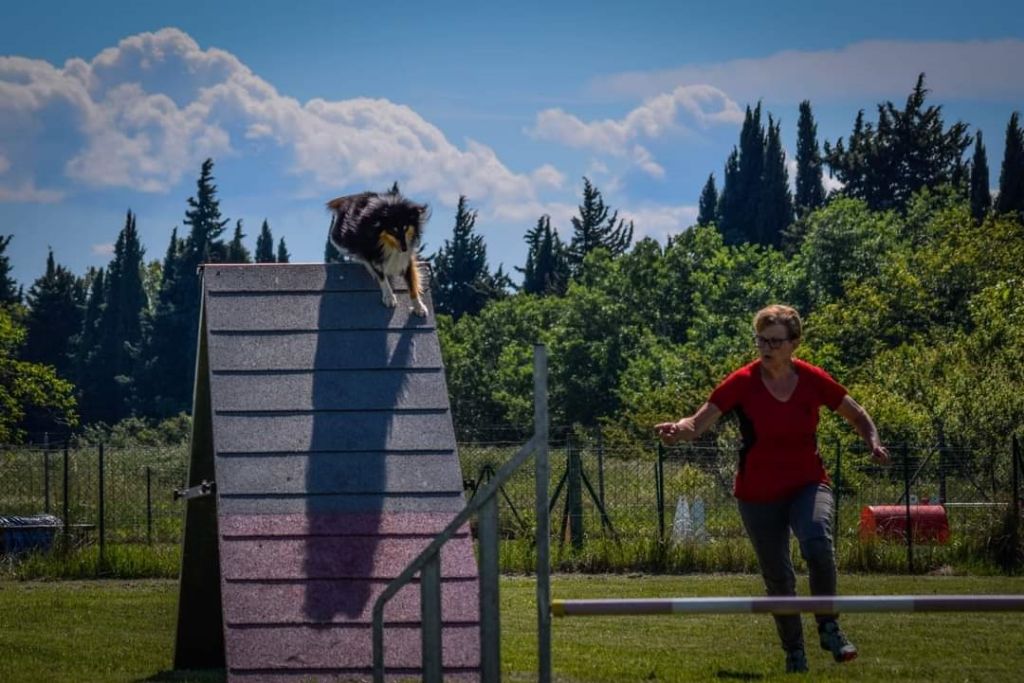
(265, 245)
(203, 244)
(730, 206)
(54, 318)
(282, 252)
(1011, 175)
(462, 283)
(171, 349)
(237, 252)
(708, 202)
(980, 195)
(594, 229)
(9, 293)
(810, 192)
(907, 149)
(775, 208)
(547, 268)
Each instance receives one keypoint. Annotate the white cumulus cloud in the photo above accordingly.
(147, 111)
(672, 113)
(660, 222)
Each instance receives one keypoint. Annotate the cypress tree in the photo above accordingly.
(708, 202)
(547, 269)
(282, 252)
(751, 170)
(462, 282)
(594, 228)
(88, 361)
(120, 326)
(730, 206)
(980, 195)
(54, 317)
(265, 245)
(1011, 176)
(166, 392)
(810, 192)
(237, 252)
(9, 293)
(775, 208)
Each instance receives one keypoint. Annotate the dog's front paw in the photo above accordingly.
(389, 300)
(418, 308)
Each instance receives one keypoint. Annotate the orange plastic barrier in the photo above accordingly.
(928, 522)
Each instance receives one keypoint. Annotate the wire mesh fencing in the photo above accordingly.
(947, 497)
(952, 500)
(101, 494)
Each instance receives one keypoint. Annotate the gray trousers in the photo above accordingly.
(809, 514)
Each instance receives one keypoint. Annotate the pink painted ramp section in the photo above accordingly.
(300, 604)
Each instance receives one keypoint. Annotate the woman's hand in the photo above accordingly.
(688, 428)
(880, 454)
(672, 433)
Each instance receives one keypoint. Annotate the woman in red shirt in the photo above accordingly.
(781, 484)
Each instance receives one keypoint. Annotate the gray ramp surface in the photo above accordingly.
(335, 465)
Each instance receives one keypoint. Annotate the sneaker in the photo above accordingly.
(835, 641)
(796, 662)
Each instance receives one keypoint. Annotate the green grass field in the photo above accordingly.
(124, 631)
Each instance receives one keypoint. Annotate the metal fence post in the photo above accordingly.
(490, 610)
(46, 476)
(46, 481)
(574, 498)
(65, 503)
(906, 497)
(659, 490)
(1015, 500)
(149, 505)
(839, 485)
(101, 513)
(540, 428)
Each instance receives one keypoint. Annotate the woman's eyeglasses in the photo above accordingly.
(770, 342)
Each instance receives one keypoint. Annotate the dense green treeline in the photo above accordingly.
(920, 314)
(908, 278)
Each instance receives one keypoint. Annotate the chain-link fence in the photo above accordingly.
(947, 496)
(102, 494)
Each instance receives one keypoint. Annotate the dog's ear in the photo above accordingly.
(424, 211)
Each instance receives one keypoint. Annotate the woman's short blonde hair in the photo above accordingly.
(778, 314)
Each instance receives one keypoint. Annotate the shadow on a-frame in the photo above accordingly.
(357, 388)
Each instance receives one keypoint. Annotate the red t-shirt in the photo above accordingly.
(780, 448)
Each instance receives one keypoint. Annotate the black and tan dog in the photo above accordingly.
(382, 231)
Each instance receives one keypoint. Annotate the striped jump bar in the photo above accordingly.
(819, 605)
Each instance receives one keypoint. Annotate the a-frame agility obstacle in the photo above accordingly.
(323, 433)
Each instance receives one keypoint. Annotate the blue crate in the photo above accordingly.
(19, 534)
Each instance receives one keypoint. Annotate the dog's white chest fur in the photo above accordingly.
(395, 261)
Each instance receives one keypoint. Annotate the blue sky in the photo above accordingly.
(108, 106)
